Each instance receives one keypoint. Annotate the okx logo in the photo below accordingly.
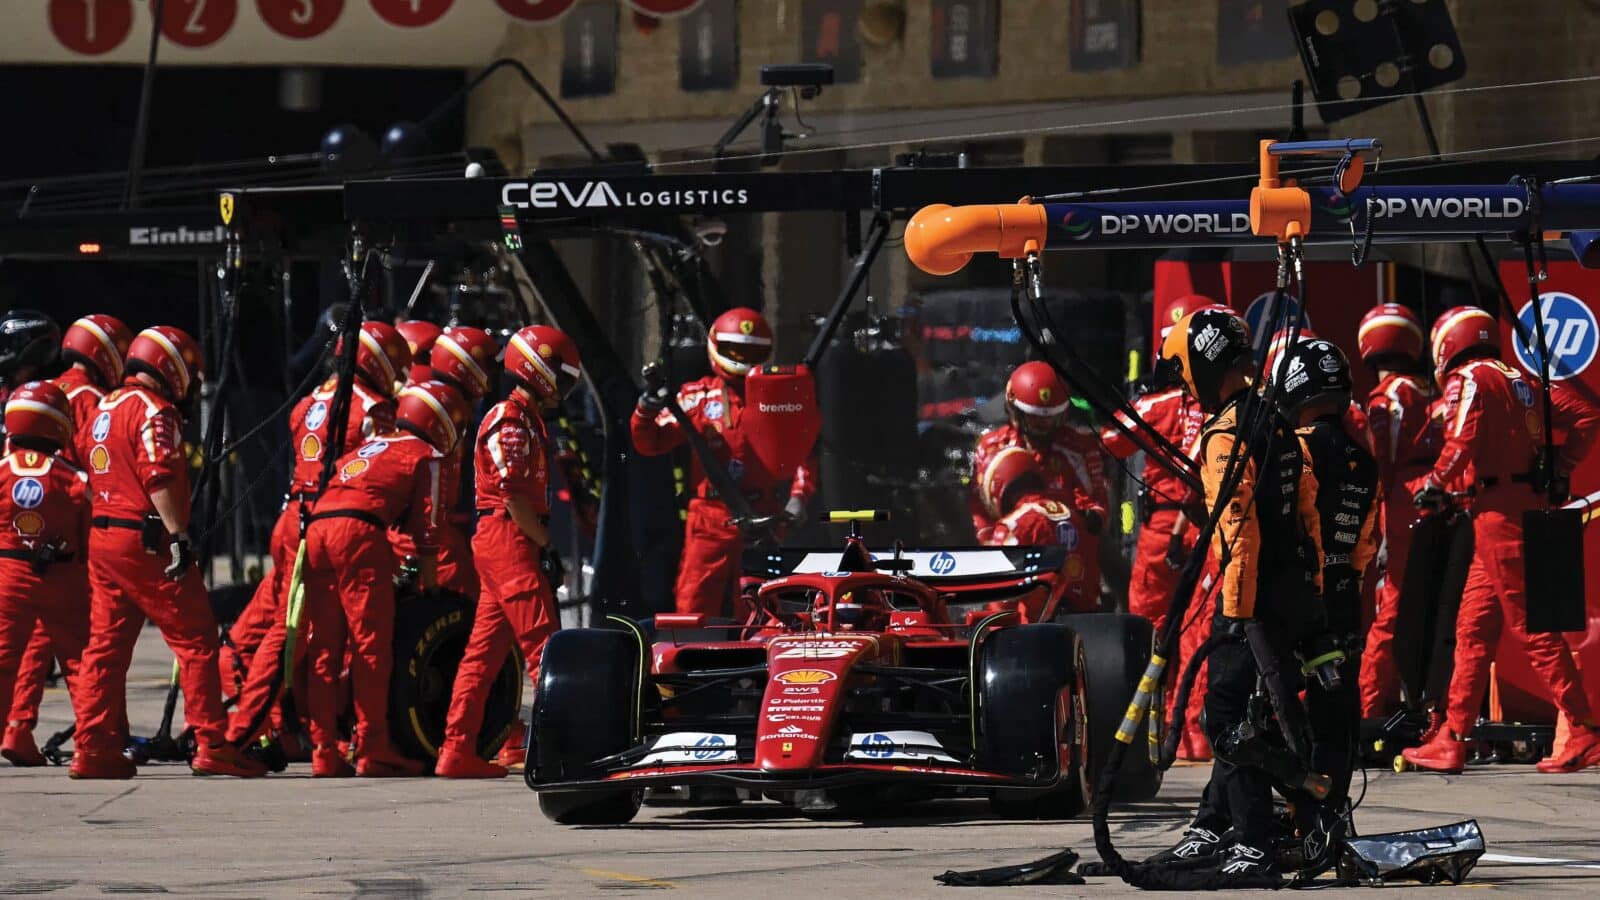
(1570, 334)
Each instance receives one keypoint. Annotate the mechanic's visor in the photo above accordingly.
(741, 350)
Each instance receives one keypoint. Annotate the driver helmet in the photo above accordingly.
(859, 609)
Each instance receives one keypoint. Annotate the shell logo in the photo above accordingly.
(311, 448)
(28, 524)
(100, 460)
(353, 468)
(546, 351)
(1074, 567)
(805, 676)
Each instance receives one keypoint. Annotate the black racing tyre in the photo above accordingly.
(1030, 713)
(1116, 648)
(430, 640)
(586, 708)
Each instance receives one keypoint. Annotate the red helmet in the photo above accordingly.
(738, 340)
(461, 356)
(39, 409)
(543, 360)
(434, 411)
(1010, 467)
(1186, 304)
(858, 609)
(1279, 343)
(1389, 329)
(382, 356)
(1036, 398)
(99, 342)
(419, 337)
(170, 355)
(1460, 329)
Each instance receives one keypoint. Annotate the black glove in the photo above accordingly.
(795, 509)
(1177, 552)
(656, 391)
(45, 554)
(182, 557)
(1230, 626)
(1321, 655)
(551, 567)
(1430, 499)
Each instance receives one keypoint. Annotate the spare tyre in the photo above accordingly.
(1116, 648)
(430, 640)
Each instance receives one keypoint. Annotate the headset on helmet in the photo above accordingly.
(433, 411)
(382, 356)
(543, 360)
(29, 339)
(1391, 334)
(100, 343)
(739, 340)
(1009, 471)
(1037, 399)
(1462, 330)
(39, 412)
(1312, 369)
(169, 355)
(462, 356)
(1202, 348)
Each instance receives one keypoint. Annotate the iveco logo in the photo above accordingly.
(183, 234)
(601, 195)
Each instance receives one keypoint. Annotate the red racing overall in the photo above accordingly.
(1046, 519)
(709, 572)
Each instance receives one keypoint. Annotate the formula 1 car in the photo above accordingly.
(869, 680)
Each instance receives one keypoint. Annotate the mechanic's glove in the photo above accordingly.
(1177, 552)
(406, 577)
(1093, 520)
(1321, 655)
(1230, 626)
(795, 509)
(656, 391)
(1381, 560)
(1430, 498)
(182, 557)
(551, 567)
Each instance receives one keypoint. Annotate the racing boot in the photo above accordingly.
(19, 748)
(388, 764)
(1197, 843)
(515, 750)
(226, 759)
(86, 767)
(454, 762)
(1442, 754)
(1581, 752)
(328, 762)
(1242, 861)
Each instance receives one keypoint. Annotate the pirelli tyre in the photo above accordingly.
(430, 640)
(586, 708)
(1116, 648)
(1031, 718)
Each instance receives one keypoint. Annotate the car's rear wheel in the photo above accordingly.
(1116, 649)
(430, 640)
(1029, 718)
(586, 708)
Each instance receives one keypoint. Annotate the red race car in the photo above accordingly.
(859, 680)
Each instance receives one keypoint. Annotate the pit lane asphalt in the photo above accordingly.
(169, 832)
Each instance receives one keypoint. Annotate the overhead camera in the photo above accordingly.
(811, 77)
(806, 80)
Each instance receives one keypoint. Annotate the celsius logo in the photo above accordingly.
(1569, 332)
(942, 563)
(601, 195)
(781, 407)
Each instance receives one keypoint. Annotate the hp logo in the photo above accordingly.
(877, 746)
(1569, 332)
(27, 493)
(712, 744)
(942, 563)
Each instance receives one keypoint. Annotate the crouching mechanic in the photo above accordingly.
(141, 565)
(737, 342)
(1264, 544)
(1315, 395)
(518, 567)
(1033, 515)
(1493, 425)
(44, 534)
(93, 348)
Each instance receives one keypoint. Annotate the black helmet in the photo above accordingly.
(1312, 369)
(1202, 348)
(29, 339)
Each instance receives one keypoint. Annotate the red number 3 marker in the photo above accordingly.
(411, 13)
(300, 18)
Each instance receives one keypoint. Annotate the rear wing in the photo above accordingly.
(942, 565)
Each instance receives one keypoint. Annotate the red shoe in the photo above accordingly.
(116, 767)
(515, 750)
(1581, 752)
(225, 759)
(466, 765)
(1442, 754)
(19, 748)
(328, 762)
(389, 765)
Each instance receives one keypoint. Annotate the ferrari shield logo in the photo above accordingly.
(1044, 395)
(225, 206)
(747, 327)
